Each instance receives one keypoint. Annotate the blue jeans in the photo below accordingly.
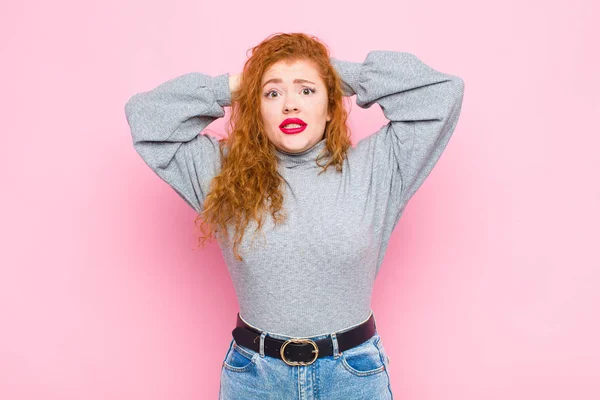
(357, 373)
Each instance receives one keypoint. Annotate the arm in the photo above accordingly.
(422, 105)
(165, 124)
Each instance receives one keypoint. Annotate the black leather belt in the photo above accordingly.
(302, 351)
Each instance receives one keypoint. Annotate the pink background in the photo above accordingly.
(489, 289)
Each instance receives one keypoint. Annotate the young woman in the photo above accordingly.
(325, 210)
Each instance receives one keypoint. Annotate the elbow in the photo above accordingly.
(458, 87)
(134, 118)
(131, 106)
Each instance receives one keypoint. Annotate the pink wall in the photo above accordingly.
(489, 287)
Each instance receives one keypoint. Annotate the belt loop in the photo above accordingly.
(262, 344)
(336, 352)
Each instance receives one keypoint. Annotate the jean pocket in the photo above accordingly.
(239, 358)
(365, 359)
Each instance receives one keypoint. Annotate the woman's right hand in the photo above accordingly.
(234, 82)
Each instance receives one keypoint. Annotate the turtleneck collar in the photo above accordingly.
(305, 158)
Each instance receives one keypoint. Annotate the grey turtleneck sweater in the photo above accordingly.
(313, 274)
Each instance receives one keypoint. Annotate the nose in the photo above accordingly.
(290, 104)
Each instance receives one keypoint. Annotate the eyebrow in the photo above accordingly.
(277, 80)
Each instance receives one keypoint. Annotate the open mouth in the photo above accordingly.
(292, 128)
(292, 125)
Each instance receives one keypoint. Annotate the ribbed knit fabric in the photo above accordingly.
(314, 274)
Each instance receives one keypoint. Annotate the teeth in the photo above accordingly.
(293, 126)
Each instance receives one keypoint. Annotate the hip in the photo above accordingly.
(359, 372)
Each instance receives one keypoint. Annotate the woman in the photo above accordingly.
(325, 210)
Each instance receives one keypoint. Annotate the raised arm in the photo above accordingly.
(422, 105)
(165, 127)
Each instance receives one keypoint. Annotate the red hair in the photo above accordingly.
(249, 175)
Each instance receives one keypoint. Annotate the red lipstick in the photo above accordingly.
(294, 130)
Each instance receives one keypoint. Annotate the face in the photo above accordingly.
(294, 90)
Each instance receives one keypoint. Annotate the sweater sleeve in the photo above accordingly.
(165, 125)
(422, 106)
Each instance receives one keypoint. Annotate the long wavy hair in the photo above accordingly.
(248, 183)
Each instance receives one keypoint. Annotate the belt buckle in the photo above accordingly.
(316, 351)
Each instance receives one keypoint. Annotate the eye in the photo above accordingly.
(310, 90)
(268, 93)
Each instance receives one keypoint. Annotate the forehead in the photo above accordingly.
(290, 70)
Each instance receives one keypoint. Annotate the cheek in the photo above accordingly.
(267, 113)
(323, 104)
(323, 109)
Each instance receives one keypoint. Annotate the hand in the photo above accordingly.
(234, 82)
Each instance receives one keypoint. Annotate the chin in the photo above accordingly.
(293, 142)
(292, 149)
(302, 145)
